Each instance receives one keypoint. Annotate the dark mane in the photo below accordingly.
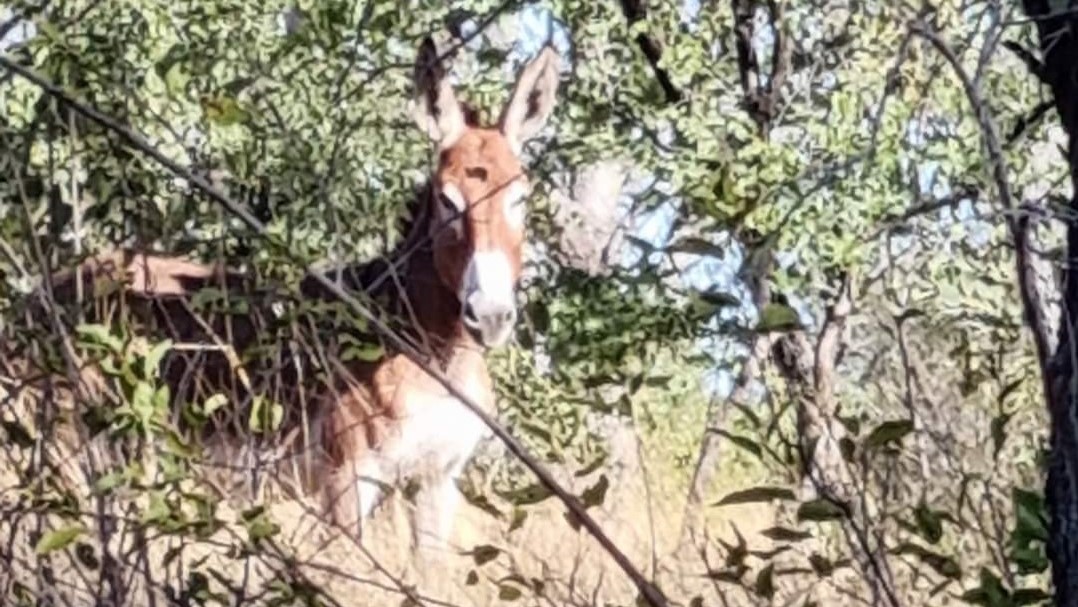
(315, 338)
(400, 283)
(369, 275)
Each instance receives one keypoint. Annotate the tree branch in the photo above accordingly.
(635, 12)
(1055, 378)
(1017, 223)
(809, 374)
(761, 100)
(1058, 31)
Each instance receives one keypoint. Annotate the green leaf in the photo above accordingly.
(363, 351)
(260, 527)
(929, 523)
(266, 415)
(851, 424)
(205, 296)
(478, 500)
(848, 448)
(142, 401)
(152, 360)
(943, 565)
(1030, 596)
(175, 79)
(784, 534)
(507, 592)
(745, 443)
(718, 299)
(532, 494)
(697, 246)
(58, 539)
(596, 494)
(485, 553)
(160, 398)
(990, 593)
(756, 494)
(86, 556)
(765, 583)
(889, 431)
(768, 555)
(108, 482)
(214, 403)
(730, 575)
(16, 433)
(999, 432)
(1031, 520)
(518, 517)
(819, 510)
(591, 467)
(778, 318)
(223, 110)
(176, 445)
(157, 510)
(99, 335)
(821, 565)
(1030, 559)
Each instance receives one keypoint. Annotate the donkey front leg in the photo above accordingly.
(436, 506)
(352, 492)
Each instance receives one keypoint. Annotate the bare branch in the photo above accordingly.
(1017, 224)
(635, 12)
(761, 99)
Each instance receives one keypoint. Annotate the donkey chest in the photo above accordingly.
(436, 428)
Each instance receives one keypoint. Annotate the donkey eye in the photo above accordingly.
(447, 203)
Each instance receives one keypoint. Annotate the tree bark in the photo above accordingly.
(1057, 26)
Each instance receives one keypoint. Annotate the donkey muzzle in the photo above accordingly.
(489, 320)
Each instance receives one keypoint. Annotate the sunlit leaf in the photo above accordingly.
(778, 318)
(58, 539)
(818, 510)
(756, 494)
(888, 432)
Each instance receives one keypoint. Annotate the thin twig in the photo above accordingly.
(1018, 224)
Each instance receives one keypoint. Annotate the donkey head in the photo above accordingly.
(479, 189)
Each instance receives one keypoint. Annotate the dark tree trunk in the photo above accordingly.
(1057, 26)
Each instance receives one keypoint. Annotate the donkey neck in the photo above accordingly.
(405, 285)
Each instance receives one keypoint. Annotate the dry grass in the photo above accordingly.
(572, 567)
(545, 552)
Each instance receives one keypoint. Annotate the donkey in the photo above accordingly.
(461, 292)
(373, 422)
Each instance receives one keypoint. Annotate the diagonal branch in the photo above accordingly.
(635, 12)
(1057, 26)
(1056, 379)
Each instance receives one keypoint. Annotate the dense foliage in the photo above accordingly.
(825, 322)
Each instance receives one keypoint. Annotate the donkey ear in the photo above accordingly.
(532, 99)
(435, 107)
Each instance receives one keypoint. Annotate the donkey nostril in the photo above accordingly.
(469, 316)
